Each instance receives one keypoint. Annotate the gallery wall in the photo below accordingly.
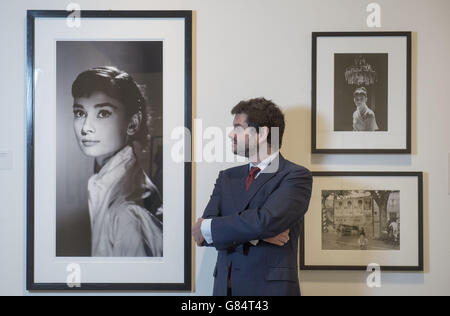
(250, 48)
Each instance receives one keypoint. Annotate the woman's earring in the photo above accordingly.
(133, 127)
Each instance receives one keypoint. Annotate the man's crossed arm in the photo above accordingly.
(279, 240)
(284, 207)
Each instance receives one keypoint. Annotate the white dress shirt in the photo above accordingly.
(206, 224)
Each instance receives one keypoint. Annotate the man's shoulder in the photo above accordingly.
(293, 167)
(234, 170)
(288, 167)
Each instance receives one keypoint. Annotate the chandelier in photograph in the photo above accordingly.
(361, 73)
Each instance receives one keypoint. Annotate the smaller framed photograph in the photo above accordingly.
(357, 219)
(361, 92)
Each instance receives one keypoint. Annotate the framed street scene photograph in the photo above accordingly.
(361, 218)
(361, 92)
(105, 91)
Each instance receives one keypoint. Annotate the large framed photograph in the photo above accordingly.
(361, 92)
(106, 90)
(360, 218)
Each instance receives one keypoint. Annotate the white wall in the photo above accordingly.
(248, 48)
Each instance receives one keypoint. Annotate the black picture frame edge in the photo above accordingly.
(30, 150)
(420, 265)
(113, 14)
(360, 151)
(188, 149)
(361, 34)
(31, 286)
(408, 141)
(110, 287)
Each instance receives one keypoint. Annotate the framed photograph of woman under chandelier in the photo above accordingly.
(361, 92)
(106, 90)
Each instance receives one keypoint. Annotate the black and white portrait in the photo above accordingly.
(108, 200)
(109, 131)
(361, 92)
(360, 220)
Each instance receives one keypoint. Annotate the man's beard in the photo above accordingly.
(246, 151)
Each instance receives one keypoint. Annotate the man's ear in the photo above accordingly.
(135, 123)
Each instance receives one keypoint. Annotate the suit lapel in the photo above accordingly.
(238, 185)
(272, 170)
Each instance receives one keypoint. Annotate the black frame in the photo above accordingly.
(419, 267)
(314, 148)
(32, 15)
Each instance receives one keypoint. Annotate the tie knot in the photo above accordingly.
(251, 177)
(254, 172)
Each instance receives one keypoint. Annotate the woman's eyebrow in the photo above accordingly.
(106, 104)
(78, 106)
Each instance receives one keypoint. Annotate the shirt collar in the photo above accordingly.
(266, 162)
(115, 167)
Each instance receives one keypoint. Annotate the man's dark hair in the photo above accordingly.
(262, 113)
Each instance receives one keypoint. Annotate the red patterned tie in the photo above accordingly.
(251, 177)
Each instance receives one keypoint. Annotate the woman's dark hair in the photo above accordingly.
(118, 85)
(360, 90)
(262, 113)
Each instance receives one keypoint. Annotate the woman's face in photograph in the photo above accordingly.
(100, 124)
(360, 99)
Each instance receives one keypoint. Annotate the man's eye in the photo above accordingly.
(78, 114)
(104, 114)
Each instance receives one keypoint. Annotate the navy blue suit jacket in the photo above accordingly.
(275, 202)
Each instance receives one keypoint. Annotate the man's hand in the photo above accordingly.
(279, 240)
(197, 232)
